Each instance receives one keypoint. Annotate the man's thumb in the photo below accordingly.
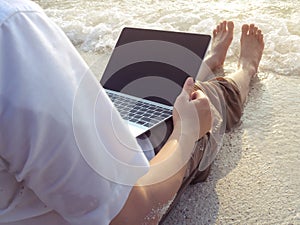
(188, 87)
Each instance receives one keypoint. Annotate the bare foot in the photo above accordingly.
(222, 38)
(252, 45)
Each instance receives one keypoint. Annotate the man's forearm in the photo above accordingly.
(159, 186)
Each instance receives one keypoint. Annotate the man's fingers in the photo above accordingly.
(188, 87)
(197, 95)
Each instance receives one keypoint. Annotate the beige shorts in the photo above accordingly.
(225, 96)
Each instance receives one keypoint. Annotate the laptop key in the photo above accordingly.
(143, 113)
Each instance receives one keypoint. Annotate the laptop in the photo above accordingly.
(146, 72)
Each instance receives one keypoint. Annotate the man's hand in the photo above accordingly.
(191, 114)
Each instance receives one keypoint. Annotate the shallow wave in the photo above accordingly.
(95, 25)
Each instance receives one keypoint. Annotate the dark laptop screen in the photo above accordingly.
(153, 64)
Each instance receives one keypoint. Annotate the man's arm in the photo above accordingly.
(150, 197)
(41, 75)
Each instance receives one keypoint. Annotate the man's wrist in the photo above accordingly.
(185, 135)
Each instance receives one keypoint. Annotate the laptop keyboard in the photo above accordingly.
(140, 112)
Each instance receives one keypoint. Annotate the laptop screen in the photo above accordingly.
(153, 64)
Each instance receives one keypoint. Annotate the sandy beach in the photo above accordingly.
(255, 178)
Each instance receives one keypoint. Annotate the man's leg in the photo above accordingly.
(222, 38)
(252, 45)
(228, 94)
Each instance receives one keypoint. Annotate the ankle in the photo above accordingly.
(248, 68)
(212, 61)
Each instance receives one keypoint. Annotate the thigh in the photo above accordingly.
(226, 99)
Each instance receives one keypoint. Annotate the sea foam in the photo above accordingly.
(95, 25)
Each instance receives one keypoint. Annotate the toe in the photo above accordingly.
(223, 27)
(251, 29)
(258, 34)
(262, 39)
(230, 25)
(245, 29)
(214, 32)
(255, 30)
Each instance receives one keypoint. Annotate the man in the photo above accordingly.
(45, 177)
(231, 91)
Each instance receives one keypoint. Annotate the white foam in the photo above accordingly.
(95, 25)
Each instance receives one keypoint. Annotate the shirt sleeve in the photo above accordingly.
(60, 133)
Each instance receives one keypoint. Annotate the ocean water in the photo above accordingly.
(95, 25)
(256, 178)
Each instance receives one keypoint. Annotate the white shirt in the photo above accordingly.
(66, 156)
